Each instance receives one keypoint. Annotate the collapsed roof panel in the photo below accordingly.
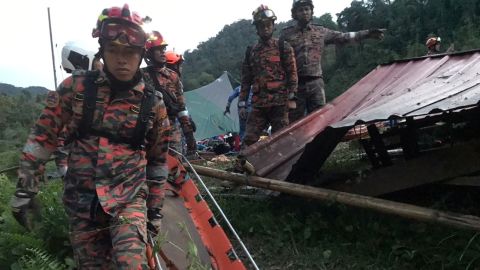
(411, 87)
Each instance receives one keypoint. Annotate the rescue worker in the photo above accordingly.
(433, 45)
(74, 57)
(308, 41)
(174, 62)
(120, 129)
(168, 82)
(242, 119)
(269, 68)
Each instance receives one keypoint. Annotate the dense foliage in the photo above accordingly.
(17, 114)
(8, 89)
(409, 23)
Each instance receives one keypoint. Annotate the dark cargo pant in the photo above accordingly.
(181, 134)
(259, 119)
(106, 242)
(175, 136)
(311, 96)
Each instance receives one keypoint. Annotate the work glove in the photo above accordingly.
(377, 33)
(25, 208)
(227, 109)
(154, 223)
(243, 112)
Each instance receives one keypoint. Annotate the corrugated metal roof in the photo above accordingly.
(410, 87)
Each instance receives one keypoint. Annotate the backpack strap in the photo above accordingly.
(140, 131)
(281, 48)
(89, 104)
(137, 141)
(151, 79)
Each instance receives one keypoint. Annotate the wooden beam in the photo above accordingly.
(376, 204)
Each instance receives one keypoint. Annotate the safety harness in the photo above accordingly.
(281, 47)
(173, 108)
(89, 96)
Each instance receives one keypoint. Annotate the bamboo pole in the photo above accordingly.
(17, 167)
(372, 203)
(9, 169)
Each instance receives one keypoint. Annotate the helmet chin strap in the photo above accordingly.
(116, 84)
(150, 59)
(159, 64)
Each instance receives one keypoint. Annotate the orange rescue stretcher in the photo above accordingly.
(184, 204)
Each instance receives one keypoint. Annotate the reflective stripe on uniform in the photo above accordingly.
(182, 113)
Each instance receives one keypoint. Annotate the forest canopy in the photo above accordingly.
(408, 22)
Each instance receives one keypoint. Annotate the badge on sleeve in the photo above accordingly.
(53, 99)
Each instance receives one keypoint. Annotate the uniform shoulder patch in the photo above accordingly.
(53, 99)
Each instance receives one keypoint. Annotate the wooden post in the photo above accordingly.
(372, 203)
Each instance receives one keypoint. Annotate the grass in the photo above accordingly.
(286, 232)
(292, 233)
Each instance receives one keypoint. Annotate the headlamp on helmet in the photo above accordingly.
(121, 25)
(263, 13)
(155, 39)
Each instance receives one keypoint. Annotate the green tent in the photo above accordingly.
(206, 105)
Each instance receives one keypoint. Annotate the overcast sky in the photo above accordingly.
(25, 55)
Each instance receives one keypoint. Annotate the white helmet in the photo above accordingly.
(76, 57)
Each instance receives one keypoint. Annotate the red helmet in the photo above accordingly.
(263, 13)
(155, 39)
(115, 23)
(173, 57)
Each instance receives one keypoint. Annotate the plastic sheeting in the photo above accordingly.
(206, 106)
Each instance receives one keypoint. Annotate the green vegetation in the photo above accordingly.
(47, 245)
(409, 23)
(281, 233)
(17, 115)
(292, 233)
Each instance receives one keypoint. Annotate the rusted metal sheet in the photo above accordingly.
(410, 87)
